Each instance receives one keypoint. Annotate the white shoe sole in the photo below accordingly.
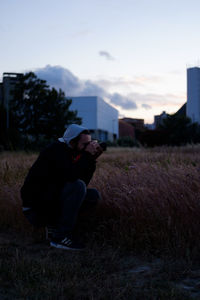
(59, 246)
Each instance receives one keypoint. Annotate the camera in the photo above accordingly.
(103, 146)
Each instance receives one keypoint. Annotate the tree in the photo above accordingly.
(179, 130)
(38, 111)
(151, 138)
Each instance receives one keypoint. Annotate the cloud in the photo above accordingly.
(128, 82)
(62, 78)
(154, 100)
(146, 106)
(123, 102)
(106, 54)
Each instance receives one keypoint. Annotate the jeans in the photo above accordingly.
(74, 196)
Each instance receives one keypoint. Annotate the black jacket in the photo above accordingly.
(55, 165)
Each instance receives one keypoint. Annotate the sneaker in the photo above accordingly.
(67, 244)
(49, 231)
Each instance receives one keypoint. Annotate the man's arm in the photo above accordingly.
(86, 165)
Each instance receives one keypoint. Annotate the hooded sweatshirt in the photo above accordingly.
(71, 132)
(57, 164)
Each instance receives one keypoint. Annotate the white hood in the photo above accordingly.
(71, 132)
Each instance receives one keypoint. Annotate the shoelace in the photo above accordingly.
(67, 241)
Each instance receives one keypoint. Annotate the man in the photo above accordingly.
(56, 186)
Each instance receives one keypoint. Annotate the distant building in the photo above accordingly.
(138, 124)
(6, 88)
(193, 94)
(158, 120)
(126, 129)
(1, 93)
(98, 116)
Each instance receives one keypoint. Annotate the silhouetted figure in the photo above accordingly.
(56, 186)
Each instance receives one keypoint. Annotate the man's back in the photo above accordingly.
(55, 165)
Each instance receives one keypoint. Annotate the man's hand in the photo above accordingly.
(94, 149)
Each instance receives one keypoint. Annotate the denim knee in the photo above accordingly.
(80, 186)
(95, 196)
(75, 187)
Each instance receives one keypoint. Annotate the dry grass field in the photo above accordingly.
(142, 242)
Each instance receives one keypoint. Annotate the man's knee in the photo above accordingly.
(78, 186)
(93, 197)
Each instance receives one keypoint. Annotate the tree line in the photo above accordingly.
(175, 130)
(37, 115)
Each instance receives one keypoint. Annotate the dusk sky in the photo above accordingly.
(133, 53)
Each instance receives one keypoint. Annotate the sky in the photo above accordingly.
(133, 53)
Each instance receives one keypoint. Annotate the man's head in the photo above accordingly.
(76, 136)
(81, 141)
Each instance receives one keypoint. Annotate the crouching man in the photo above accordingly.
(56, 186)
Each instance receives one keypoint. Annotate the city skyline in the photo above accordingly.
(134, 54)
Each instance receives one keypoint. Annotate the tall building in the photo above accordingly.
(193, 94)
(1, 93)
(98, 116)
(6, 89)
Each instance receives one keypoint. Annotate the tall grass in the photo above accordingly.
(150, 198)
